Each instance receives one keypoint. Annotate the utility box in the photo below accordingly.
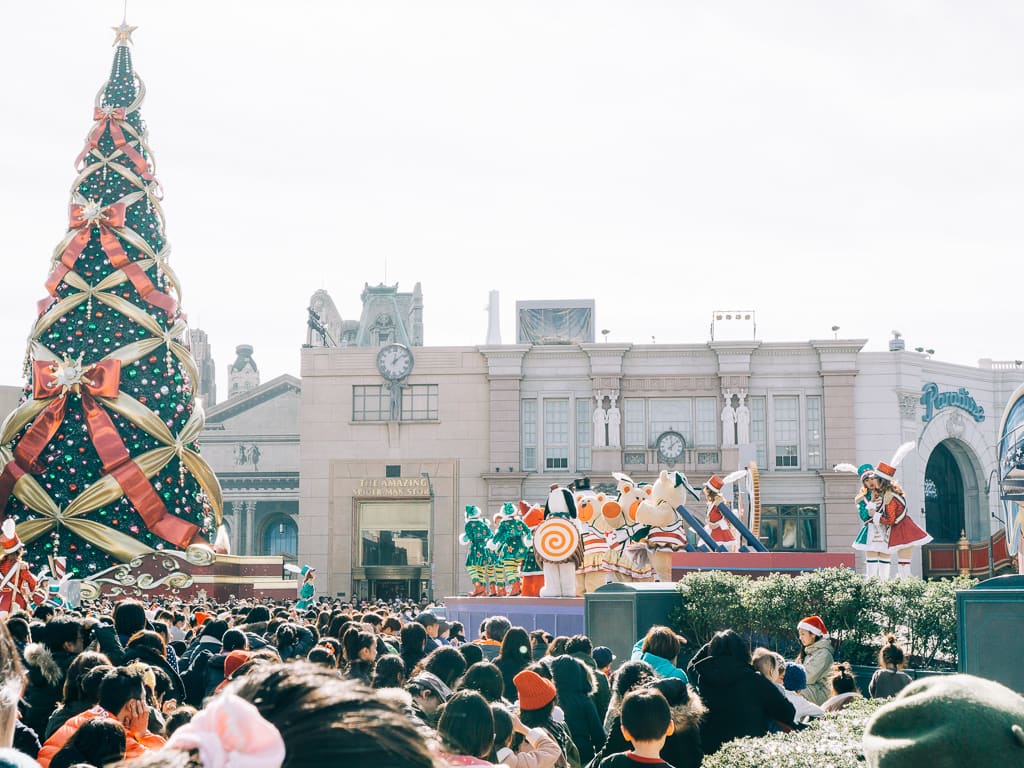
(990, 623)
(619, 614)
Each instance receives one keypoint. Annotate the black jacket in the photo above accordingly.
(46, 673)
(740, 701)
(154, 659)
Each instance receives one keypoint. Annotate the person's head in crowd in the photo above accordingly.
(447, 663)
(234, 640)
(181, 715)
(214, 628)
(323, 656)
(770, 664)
(373, 621)
(335, 647)
(77, 670)
(630, 675)
(843, 680)
(482, 630)
(99, 742)
(359, 644)
(18, 627)
(129, 617)
(948, 720)
(159, 684)
(466, 726)
(44, 613)
(729, 643)
(391, 626)
(388, 672)
(794, 678)
(472, 653)
(486, 679)
(443, 629)
(891, 656)
(646, 721)
(64, 634)
(536, 698)
(515, 647)
(414, 639)
(123, 694)
(457, 632)
(662, 642)
(150, 640)
(163, 629)
(579, 644)
(339, 626)
(496, 627)
(12, 682)
(557, 646)
(504, 730)
(428, 621)
(258, 614)
(571, 676)
(428, 692)
(603, 657)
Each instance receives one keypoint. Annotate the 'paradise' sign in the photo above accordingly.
(933, 401)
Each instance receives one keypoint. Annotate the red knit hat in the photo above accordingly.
(535, 691)
(814, 625)
(233, 661)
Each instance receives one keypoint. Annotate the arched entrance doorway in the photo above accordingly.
(281, 537)
(944, 496)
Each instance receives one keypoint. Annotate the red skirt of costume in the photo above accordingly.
(721, 535)
(903, 531)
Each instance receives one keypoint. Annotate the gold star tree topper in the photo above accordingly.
(124, 33)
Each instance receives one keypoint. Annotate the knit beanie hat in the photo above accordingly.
(535, 691)
(947, 721)
(795, 677)
(814, 625)
(233, 661)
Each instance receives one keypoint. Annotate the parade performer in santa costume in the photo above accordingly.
(888, 507)
(511, 541)
(873, 538)
(18, 587)
(475, 535)
(717, 523)
(531, 574)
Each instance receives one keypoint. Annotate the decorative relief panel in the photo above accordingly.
(908, 404)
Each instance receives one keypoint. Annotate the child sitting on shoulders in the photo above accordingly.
(646, 722)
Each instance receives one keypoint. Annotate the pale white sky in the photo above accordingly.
(824, 163)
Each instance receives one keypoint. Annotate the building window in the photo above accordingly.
(787, 432)
(707, 422)
(528, 426)
(710, 458)
(419, 402)
(791, 527)
(674, 414)
(584, 439)
(759, 428)
(373, 402)
(394, 533)
(635, 458)
(556, 434)
(635, 423)
(815, 459)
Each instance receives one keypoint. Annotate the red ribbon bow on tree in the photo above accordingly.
(83, 216)
(103, 379)
(111, 118)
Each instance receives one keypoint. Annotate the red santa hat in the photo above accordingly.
(9, 541)
(814, 625)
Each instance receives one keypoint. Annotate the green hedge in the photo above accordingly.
(832, 741)
(858, 612)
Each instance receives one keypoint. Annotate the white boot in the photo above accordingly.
(870, 569)
(903, 569)
(884, 569)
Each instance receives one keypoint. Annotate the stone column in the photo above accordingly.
(250, 527)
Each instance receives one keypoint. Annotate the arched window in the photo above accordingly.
(281, 537)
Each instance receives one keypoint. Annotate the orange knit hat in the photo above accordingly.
(535, 691)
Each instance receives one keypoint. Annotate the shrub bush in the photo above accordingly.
(858, 612)
(833, 741)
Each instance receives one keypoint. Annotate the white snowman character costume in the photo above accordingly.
(558, 544)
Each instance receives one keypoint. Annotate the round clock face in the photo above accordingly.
(394, 361)
(671, 445)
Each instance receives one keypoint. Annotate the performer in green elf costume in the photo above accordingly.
(511, 544)
(872, 537)
(476, 535)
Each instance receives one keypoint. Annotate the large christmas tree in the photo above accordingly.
(100, 459)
